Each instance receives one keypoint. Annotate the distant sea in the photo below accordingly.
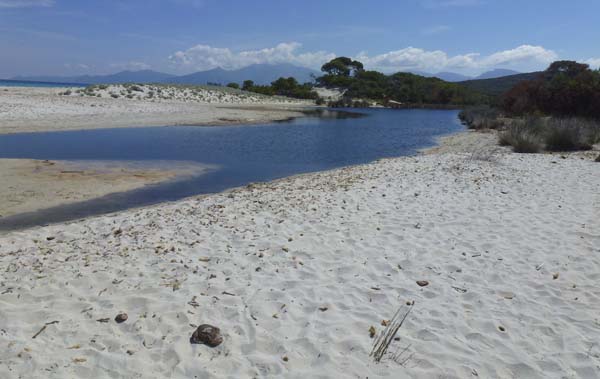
(18, 83)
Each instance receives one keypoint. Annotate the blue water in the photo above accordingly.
(18, 83)
(243, 154)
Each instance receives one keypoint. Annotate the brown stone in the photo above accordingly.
(207, 335)
(121, 317)
(422, 283)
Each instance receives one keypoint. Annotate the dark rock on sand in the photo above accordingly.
(121, 317)
(208, 335)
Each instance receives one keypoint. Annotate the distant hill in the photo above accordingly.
(259, 73)
(497, 73)
(143, 76)
(451, 76)
(498, 86)
(454, 77)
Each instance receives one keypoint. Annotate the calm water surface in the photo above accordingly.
(243, 154)
(19, 83)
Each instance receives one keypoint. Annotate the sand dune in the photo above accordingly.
(297, 271)
(28, 109)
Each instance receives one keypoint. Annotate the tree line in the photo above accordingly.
(566, 88)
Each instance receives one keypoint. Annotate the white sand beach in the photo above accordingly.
(34, 109)
(296, 272)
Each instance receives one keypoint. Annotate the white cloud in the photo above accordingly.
(593, 62)
(412, 58)
(25, 3)
(521, 54)
(204, 57)
(525, 57)
(133, 65)
(437, 29)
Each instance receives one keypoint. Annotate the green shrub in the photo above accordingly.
(103, 86)
(567, 135)
(481, 117)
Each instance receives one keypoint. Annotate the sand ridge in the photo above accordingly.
(31, 109)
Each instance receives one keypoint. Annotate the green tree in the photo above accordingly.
(233, 85)
(342, 66)
(248, 85)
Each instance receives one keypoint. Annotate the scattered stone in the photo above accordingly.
(422, 283)
(555, 276)
(103, 320)
(285, 358)
(50, 238)
(598, 159)
(502, 329)
(121, 317)
(117, 232)
(323, 309)
(207, 335)
(372, 332)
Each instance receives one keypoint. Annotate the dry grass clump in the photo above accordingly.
(481, 117)
(385, 338)
(523, 135)
(570, 134)
(533, 135)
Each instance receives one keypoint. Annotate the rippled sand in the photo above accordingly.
(297, 271)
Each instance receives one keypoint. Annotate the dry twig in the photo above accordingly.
(44, 328)
(382, 343)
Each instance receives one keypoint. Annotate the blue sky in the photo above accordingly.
(71, 37)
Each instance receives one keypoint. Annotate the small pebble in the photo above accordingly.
(121, 317)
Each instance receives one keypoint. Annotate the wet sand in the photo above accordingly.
(28, 185)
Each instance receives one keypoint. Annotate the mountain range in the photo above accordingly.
(498, 85)
(454, 77)
(259, 73)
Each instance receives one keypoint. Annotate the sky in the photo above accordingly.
(74, 37)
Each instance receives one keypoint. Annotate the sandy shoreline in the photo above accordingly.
(28, 185)
(295, 272)
(29, 109)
